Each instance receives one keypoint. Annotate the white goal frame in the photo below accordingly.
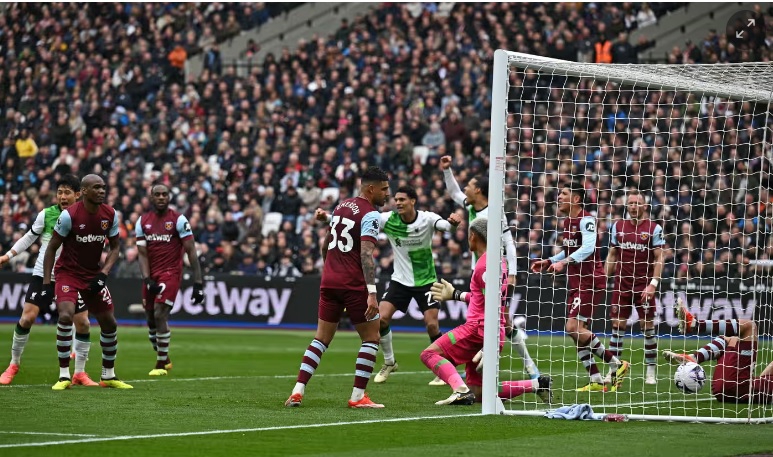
(743, 86)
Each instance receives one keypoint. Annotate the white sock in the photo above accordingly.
(108, 373)
(534, 385)
(81, 354)
(64, 372)
(357, 394)
(19, 341)
(651, 370)
(463, 389)
(597, 378)
(299, 388)
(523, 351)
(386, 347)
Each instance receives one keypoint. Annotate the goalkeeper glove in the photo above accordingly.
(444, 290)
(198, 294)
(98, 283)
(153, 287)
(479, 360)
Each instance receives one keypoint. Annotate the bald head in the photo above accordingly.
(90, 180)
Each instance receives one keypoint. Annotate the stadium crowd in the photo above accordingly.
(101, 88)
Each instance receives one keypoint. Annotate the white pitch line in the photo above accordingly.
(238, 430)
(645, 403)
(46, 433)
(219, 378)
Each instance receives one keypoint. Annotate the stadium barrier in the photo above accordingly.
(292, 302)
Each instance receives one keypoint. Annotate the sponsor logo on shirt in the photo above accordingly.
(158, 237)
(570, 242)
(633, 246)
(90, 238)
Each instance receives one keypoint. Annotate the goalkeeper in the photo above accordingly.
(464, 344)
(475, 200)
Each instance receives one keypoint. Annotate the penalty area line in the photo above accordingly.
(238, 430)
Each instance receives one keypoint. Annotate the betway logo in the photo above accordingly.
(220, 299)
(12, 296)
(633, 246)
(90, 238)
(154, 237)
(570, 242)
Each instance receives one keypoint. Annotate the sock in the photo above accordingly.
(650, 347)
(82, 346)
(109, 343)
(432, 339)
(616, 342)
(20, 337)
(63, 347)
(309, 364)
(366, 360)
(162, 340)
(597, 347)
(585, 356)
(443, 369)
(386, 345)
(152, 339)
(711, 351)
(727, 327)
(512, 389)
(523, 351)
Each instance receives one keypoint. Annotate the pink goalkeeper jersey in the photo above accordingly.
(477, 306)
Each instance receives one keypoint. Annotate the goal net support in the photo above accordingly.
(695, 141)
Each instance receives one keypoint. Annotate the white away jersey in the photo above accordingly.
(414, 265)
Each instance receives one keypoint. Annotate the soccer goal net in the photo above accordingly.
(694, 141)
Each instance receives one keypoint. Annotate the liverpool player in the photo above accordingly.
(636, 261)
(68, 191)
(474, 199)
(464, 344)
(162, 235)
(349, 282)
(82, 230)
(580, 256)
(734, 348)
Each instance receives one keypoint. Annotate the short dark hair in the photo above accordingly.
(576, 188)
(409, 191)
(482, 182)
(373, 175)
(71, 181)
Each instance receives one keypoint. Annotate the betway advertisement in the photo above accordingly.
(276, 302)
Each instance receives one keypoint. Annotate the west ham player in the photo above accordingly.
(636, 261)
(580, 255)
(162, 235)
(349, 282)
(464, 344)
(734, 348)
(475, 200)
(82, 230)
(68, 190)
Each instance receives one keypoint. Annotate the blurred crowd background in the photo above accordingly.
(249, 155)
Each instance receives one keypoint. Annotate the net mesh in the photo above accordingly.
(695, 140)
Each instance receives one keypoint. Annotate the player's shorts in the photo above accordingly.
(400, 296)
(71, 289)
(33, 294)
(624, 302)
(733, 372)
(170, 285)
(332, 303)
(582, 303)
(462, 343)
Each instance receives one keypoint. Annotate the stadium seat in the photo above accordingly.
(329, 192)
(421, 152)
(271, 223)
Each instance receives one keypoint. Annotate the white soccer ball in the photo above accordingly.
(690, 378)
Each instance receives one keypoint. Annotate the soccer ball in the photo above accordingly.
(690, 378)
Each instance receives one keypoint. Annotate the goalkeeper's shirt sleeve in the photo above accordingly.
(453, 188)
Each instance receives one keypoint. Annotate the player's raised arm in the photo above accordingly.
(23, 243)
(451, 185)
(446, 225)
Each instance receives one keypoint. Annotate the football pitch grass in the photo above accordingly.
(226, 392)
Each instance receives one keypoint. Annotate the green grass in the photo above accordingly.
(229, 385)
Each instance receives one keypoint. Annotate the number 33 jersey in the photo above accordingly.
(354, 220)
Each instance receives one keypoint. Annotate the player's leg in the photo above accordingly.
(432, 324)
(366, 357)
(646, 311)
(455, 347)
(64, 327)
(386, 310)
(329, 314)
(722, 327)
(619, 313)
(149, 305)
(82, 345)
(518, 340)
(21, 334)
(618, 369)
(161, 313)
(100, 305)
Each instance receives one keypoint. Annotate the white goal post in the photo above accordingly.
(528, 121)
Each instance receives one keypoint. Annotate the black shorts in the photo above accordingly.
(33, 294)
(400, 296)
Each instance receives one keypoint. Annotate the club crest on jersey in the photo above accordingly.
(65, 289)
(644, 236)
(104, 224)
(82, 226)
(168, 225)
(148, 226)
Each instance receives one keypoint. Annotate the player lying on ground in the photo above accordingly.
(349, 282)
(410, 234)
(82, 231)
(635, 261)
(464, 344)
(68, 191)
(734, 348)
(475, 200)
(587, 284)
(162, 235)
